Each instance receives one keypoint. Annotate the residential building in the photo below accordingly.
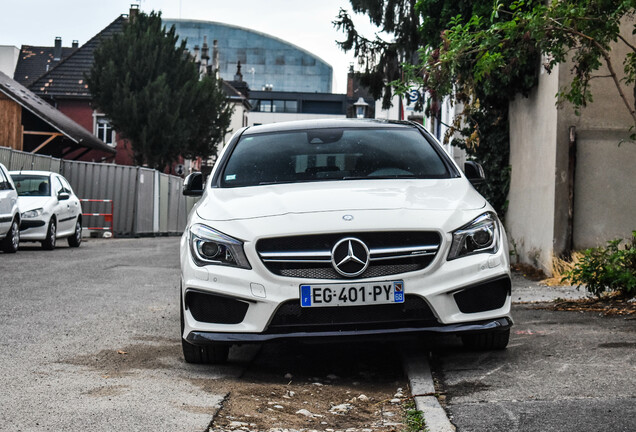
(35, 61)
(29, 124)
(60, 80)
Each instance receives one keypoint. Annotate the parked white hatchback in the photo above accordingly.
(9, 213)
(49, 208)
(340, 228)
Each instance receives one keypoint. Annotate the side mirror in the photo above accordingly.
(63, 196)
(474, 172)
(193, 185)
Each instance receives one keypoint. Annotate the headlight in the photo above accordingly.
(479, 236)
(32, 213)
(209, 246)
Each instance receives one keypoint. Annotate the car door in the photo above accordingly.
(8, 199)
(62, 208)
(74, 205)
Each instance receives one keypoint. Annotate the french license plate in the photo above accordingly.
(352, 294)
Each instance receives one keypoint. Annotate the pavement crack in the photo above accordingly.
(221, 404)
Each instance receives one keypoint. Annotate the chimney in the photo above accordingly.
(215, 59)
(75, 44)
(204, 51)
(238, 76)
(350, 74)
(57, 51)
(134, 10)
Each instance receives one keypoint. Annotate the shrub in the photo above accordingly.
(607, 269)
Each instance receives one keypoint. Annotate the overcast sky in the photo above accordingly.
(303, 23)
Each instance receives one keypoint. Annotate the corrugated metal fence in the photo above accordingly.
(146, 202)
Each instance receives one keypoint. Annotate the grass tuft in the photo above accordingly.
(413, 418)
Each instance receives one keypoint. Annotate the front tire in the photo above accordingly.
(11, 242)
(497, 340)
(202, 354)
(76, 239)
(51, 236)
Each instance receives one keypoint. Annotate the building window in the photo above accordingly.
(291, 106)
(278, 106)
(104, 131)
(265, 106)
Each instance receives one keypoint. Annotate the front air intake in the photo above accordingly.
(211, 308)
(486, 296)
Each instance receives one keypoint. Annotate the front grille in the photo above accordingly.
(309, 256)
(212, 308)
(291, 317)
(484, 297)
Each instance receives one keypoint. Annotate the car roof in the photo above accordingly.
(33, 172)
(326, 124)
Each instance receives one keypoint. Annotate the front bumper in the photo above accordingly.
(203, 338)
(33, 229)
(459, 296)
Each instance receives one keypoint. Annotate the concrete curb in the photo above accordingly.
(418, 372)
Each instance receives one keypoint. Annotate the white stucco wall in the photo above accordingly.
(8, 59)
(533, 133)
(604, 182)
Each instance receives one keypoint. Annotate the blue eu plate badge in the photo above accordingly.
(398, 292)
(305, 295)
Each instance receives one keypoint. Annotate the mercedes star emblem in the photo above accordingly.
(350, 257)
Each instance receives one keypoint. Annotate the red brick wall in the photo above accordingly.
(79, 110)
(82, 113)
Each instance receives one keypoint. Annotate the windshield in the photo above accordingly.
(32, 185)
(332, 154)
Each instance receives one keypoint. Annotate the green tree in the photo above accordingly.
(497, 54)
(484, 53)
(381, 60)
(146, 83)
(418, 27)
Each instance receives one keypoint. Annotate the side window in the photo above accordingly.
(57, 186)
(67, 187)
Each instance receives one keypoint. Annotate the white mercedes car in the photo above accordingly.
(340, 228)
(49, 208)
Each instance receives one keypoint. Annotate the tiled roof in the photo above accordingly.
(54, 118)
(67, 79)
(35, 61)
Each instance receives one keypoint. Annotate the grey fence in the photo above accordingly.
(145, 202)
(16, 160)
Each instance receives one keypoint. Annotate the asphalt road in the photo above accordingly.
(561, 372)
(90, 341)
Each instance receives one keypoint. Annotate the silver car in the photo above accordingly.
(49, 208)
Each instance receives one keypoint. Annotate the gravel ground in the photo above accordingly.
(325, 387)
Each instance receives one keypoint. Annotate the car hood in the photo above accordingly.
(224, 204)
(27, 203)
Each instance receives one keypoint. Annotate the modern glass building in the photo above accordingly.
(266, 61)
